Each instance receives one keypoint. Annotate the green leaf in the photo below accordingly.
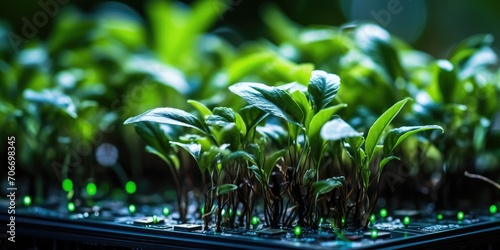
(255, 150)
(304, 105)
(338, 129)
(52, 98)
(376, 43)
(325, 186)
(315, 126)
(226, 188)
(398, 135)
(257, 172)
(155, 135)
(194, 149)
(271, 100)
(308, 176)
(322, 88)
(377, 129)
(221, 117)
(447, 80)
(171, 116)
(271, 162)
(204, 111)
(386, 160)
(252, 116)
(237, 155)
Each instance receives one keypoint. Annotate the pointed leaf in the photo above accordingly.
(221, 117)
(193, 149)
(204, 111)
(322, 88)
(271, 162)
(398, 135)
(155, 135)
(239, 155)
(171, 116)
(252, 116)
(272, 100)
(325, 186)
(377, 129)
(315, 126)
(226, 188)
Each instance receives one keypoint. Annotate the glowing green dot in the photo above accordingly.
(131, 208)
(71, 206)
(166, 211)
(238, 212)
(91, 189)
(202, 210)
(67, 185)
(493, 209)
(460, 215)
(374, 234)
(406, 221)
(297, 230)
(231, 212)
(27, 200)
(130, 187)
(440, 216)
(155, 219)
(342, 221)
(223, 213)
(372, 218)
(383, 212)
(255, 220)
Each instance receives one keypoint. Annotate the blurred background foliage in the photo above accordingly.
(70, 80)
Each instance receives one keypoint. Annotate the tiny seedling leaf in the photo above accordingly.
(322, 88)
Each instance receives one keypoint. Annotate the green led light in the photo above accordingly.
(297, 230)
(342, 221)
(130, 187)
(493, 209)
(91, 189)
(71, 206)
(131, 208)
(406, 221)
(202, 210)
(440, 216)
(372, 218)
(238, 212)
(383, 212)
(255, 220)
(67, 185)
(27, 200)
(460, 215)
(155, 219)
(231, 212)
(166, 211)
(374, 234)
(223, 213)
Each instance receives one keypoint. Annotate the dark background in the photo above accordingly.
(432, 26)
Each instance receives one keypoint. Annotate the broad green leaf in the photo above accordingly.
(204, 111)
(271, 162)
(338, 129)
(325, 186)
(322, 88)
(155, 135)
(377, 129)
(271, 100)
(226, 188)
(376, 42)
(171, 116)
(252, 116)
(193, 149)
(275, 133)
(240, 124)
(230, 134)
(315, 126)
(221, 117)
(398, 135)
(237, 155)
(304, 105)
(53, 98)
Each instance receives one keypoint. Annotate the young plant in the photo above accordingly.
(370, 160)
